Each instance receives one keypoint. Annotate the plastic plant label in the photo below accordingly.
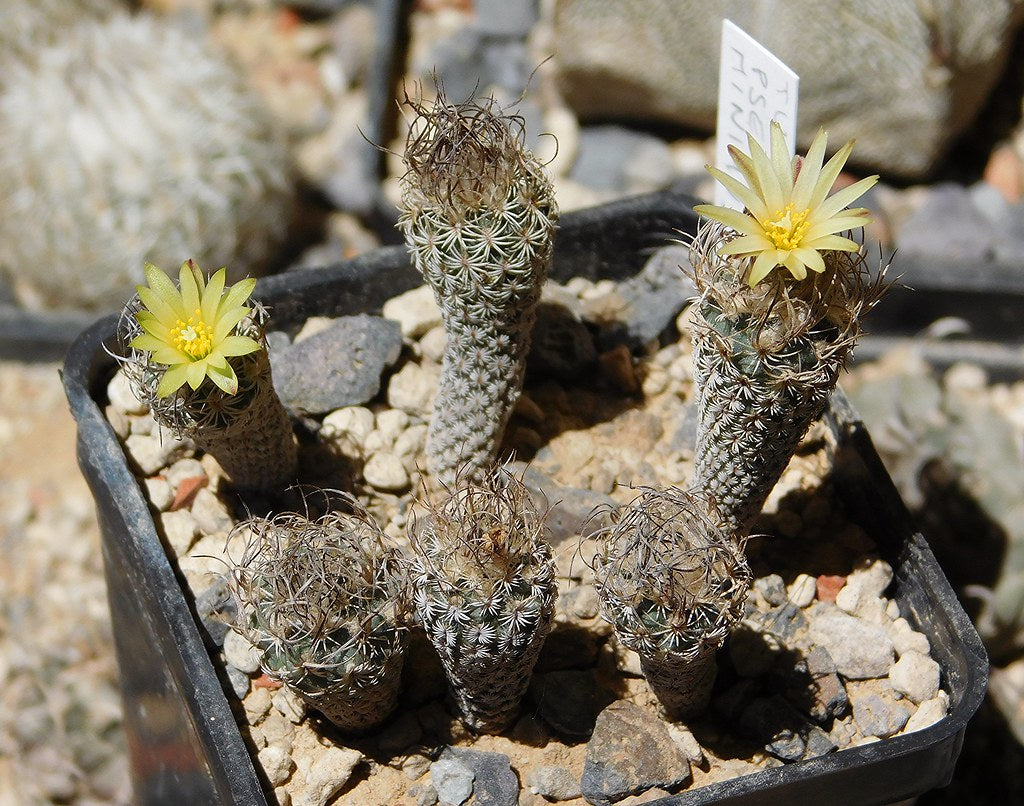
(754, 88)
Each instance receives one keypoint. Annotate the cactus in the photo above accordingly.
(672, 581)
(325, 602)
(768, 348)
(198, 358)
(484, 583)
(478, 214)
(126, 140)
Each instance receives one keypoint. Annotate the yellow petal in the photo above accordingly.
(163, 307)
(210, 301)
(782, 165)
(811, 258)
(834, 242)
(845, 197)
(763, 265)
(731, 218)
(195, 373)
(172, 380)
(746, 245)
(809, 170)
(226, 322)
(773, 195)
(828, 175)
(156, 328)
(225, 379)
(795, 265)
(747, 196)
(191, 281)
(237, 294)
(237, 345)
(835, 224)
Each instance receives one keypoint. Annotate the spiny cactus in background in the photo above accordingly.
(671, 582)
(31, 24)
(769, 344)
(126, 140)
(484, 589)
(479, 215)
(325, 602)
(197, 356)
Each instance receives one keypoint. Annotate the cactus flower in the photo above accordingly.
(789, 217)
(190, 329)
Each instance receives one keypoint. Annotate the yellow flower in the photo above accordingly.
(788, 220)
(190, 328)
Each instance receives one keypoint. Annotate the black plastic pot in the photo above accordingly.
(185, 745)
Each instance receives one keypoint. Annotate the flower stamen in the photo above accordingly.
(193, 337)
(788, 228)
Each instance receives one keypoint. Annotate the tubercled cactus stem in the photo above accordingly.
(478, 214)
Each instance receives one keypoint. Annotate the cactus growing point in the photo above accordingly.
(672, 582)
(325, 602)
(484, 582)
(768, 345)
(478, 214)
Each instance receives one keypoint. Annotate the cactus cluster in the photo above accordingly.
(325, 603)
(478, 214)
(484, 582)
(125, 140)
(230, 410)
(672, 581)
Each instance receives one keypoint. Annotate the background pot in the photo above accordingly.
(184, 742)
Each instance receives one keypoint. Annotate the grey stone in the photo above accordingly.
(338, 367)
(571, 508)
(947, 224)
(512, 18)
(216, 607)
(568, 700)
(240, 654)
(827, 694)
(605, 154)
(494, 782)
(860, 650)
(772, 588)
(776, 723)
(239, 681)
(452, 779)
(659, 60)
(552, 782)
(650, 301)
(630, 751)
(878, 716)
(210, 513)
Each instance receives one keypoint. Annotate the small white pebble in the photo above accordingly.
(411, 441)
(276, 763)
(928, 713)
(906, 639)
(159, 492)
(433, 344)
(352, 424)
(120, 394)
(391, 423)
(801, 590)
(916, 676)
(385, 472)
(239, 653)
(415, 311)
(180, 530)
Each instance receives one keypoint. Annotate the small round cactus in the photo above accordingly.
(126, 140)
(478, 214)
(781, 300)
(484, 582)
(672, 583)
(197, 356)
(326, 604)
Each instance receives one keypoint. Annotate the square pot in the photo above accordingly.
(185, 744)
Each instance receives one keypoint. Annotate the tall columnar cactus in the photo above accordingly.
(671, 581)
(197, 356)
(326, 602)
(484, 583)
(769, 345)
(478, 214)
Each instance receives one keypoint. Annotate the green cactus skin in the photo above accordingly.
(326, 603)
(479, 215)
(765, 361)
(672, 583)
(484, 591)
(249, 433)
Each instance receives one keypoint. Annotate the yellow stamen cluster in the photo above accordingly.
(194, 336)
(788, 228)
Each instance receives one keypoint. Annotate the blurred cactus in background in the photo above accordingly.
(781, 296)
(325, 602)
(125, 140)
(478, 214)
(672, 583)
(484, 582)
